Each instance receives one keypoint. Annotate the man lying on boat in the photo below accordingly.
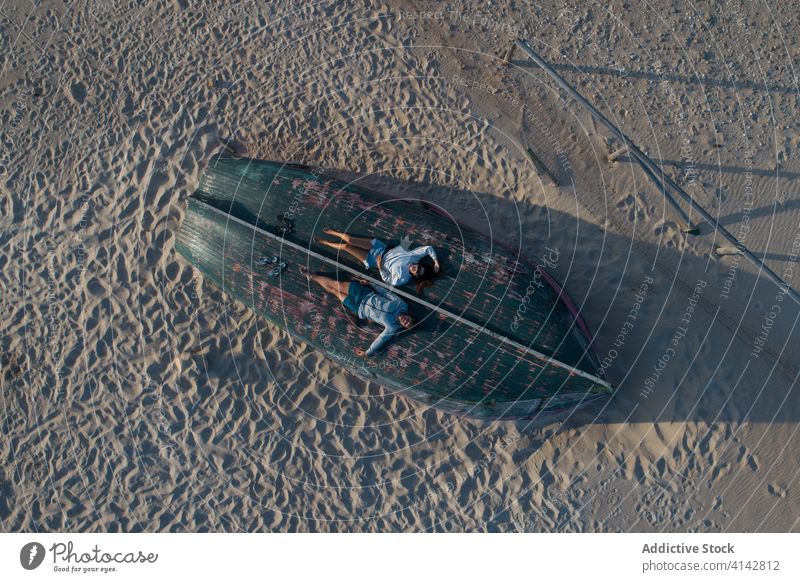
(397, 265)
(368, 302)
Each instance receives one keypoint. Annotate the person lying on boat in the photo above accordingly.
(370, 302)
(397, 266)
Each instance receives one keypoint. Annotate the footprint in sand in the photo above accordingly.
(746, 458)
(669, 233)
(76, 93)
(11, 365)
(776, 490)
(634, 207)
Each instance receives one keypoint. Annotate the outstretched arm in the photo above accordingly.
(385, 336)
(426, 250)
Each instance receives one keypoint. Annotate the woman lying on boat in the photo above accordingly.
(368, 302)
(397, 265)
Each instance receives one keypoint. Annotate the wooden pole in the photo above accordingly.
(509, 52)
(540, 167)
(643, 159)
(653, 170)
(617, 154)
(725, 251)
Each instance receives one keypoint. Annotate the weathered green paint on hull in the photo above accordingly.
(442, 361)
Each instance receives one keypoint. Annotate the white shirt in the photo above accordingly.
(395, 263)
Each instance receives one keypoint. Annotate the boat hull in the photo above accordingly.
(495, 336)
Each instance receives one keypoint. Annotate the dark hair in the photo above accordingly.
(428, 277)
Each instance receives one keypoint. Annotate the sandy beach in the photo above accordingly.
(138, 397)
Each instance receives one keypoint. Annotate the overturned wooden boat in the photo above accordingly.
(495, 338)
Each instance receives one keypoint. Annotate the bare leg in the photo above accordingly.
(356, 241)
(361, 242)
(360, 254)
(331, 285)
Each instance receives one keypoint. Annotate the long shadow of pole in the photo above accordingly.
(653, 170)
(756, 86)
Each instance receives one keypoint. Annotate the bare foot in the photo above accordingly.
(333, 232)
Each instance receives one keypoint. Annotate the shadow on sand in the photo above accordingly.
(706, 374)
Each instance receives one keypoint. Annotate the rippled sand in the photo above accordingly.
(137, 397)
